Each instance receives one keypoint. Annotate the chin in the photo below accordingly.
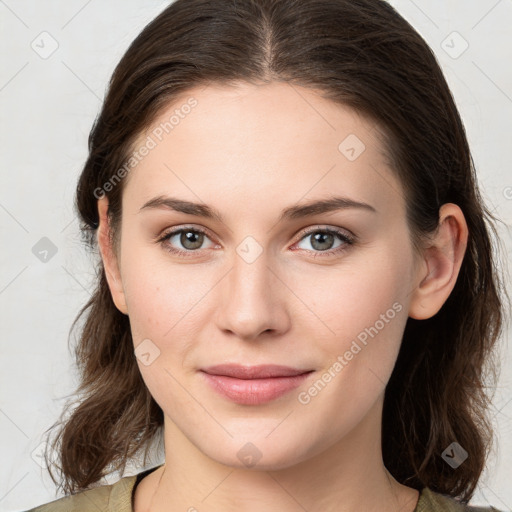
(258, 454)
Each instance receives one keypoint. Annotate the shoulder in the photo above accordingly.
(115, 497)
(431, 501)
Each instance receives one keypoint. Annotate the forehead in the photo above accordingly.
(276, 113)
(275, 107)
(255, 138)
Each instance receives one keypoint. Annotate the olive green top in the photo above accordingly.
(118, 497)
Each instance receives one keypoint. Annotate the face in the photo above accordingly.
(265, 280)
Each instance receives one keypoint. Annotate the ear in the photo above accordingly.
(110, 260)
(440, 263)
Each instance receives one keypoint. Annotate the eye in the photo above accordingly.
(190, 239)
(326, 241)
(323, 241)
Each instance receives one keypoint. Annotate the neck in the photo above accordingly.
(349, 476)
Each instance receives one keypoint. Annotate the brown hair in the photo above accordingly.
(360, 53)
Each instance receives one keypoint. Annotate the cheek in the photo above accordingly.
(366, 309)
(165, 306)
(160, 301)
(159, 295)
(347, 299)
(363, 307)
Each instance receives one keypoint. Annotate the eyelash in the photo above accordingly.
(347, 240)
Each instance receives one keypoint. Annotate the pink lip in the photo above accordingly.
(253, 385)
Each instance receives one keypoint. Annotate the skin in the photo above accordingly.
(251, 151)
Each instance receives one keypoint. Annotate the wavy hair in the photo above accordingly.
(358, 53)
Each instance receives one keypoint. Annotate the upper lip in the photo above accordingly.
(253, 372)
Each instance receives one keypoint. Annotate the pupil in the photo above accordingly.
(319, 241)
(191, 239)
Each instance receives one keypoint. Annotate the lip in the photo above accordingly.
(253, 385)
(261, 371)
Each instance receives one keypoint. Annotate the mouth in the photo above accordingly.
(254, 385)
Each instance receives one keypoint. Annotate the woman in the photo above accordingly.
(297, 287)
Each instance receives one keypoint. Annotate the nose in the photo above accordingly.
(252, 300)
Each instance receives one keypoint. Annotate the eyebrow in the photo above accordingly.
(291, 213)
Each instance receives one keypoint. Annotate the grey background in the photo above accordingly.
(51, 87)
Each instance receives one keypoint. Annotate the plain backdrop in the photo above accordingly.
(57, 58)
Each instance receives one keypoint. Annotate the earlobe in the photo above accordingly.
(440, 265)
(109, 258)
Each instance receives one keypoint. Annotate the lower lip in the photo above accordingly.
(254, 391)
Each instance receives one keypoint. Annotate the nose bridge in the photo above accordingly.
(249, 278)
(251, 302)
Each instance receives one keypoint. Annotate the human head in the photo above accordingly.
(362, 55)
